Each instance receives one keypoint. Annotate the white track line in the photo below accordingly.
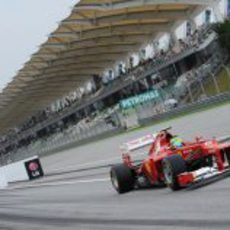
(58, 183)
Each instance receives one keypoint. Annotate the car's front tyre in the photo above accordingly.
(172, 167)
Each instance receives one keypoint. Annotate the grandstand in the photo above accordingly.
(77, 89)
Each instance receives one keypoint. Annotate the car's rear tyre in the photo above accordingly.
(122, 178)
(172, 167)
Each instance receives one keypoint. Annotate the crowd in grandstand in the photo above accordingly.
(74, 98)
(194, 40)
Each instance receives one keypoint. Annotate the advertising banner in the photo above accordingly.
(141, 98)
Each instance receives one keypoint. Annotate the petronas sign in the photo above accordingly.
(139, 99)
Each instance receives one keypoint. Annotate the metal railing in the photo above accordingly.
(59, 141)
(77, 137)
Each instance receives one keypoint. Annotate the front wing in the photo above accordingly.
(202, 176)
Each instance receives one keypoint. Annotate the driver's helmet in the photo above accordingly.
(176, 142)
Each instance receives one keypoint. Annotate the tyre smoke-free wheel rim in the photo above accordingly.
(173, 166)
(168, 174)
(114, 180)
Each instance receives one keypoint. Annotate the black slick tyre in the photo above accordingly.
(122, 178)
(172, 167)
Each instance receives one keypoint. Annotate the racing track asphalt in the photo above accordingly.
(86, 200)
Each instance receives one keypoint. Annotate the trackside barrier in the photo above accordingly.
(75, 140)
(128, 146)
(64, 142)
(3, 181)
(214, 100)
(71, 142)
(24, 170)
(101, 131)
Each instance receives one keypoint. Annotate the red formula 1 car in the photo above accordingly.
(171, 162)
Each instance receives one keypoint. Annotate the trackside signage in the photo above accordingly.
(23, 170)
(34, 169)
(136, 100)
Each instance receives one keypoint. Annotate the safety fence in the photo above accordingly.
(145, 118)
(68, 139)
(60, 141)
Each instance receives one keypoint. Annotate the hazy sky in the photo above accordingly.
(24, 25)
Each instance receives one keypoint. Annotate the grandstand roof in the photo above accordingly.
(95, 35)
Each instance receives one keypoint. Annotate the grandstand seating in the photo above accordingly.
(83, 126)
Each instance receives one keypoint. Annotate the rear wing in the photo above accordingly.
(138, 143)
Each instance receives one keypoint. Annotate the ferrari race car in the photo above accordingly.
(170, 161)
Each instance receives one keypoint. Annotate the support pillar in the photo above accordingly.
(155, 46)
(190, 93)
(193, 25)
(227, 70)
(218, 15)
(202, 86)
(215, 83)
(172, 39)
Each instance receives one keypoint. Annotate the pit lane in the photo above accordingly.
(79, 199)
